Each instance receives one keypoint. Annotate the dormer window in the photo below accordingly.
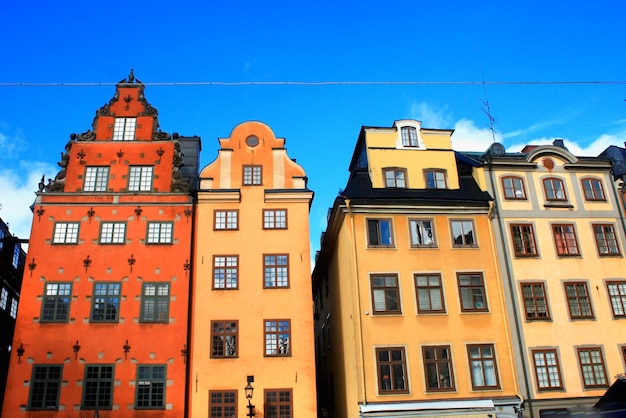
(409, 136)
(435, 179)
(124, 129)
(395, 177)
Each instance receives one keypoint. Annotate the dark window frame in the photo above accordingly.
(551, 191)
(420, 230)
(432, 180)
(65, 237)
(593, 189)
(617, 297)
(565, 240)
(275, 273)
(96, 178)
(45, 387)
(431, 355)
(464, 237)
(98, 387)
(524, 242)
(606, 240)
(138, 176)
(274, 330)
(576, 300)
(151, 386)
(223, 269)
(160, 233)
(114, 238)
(128, 130)
(474, 298)
(109, 299)
(252, 175)
(513, 191)
(223, 403)
(599, 381)
(388, 360)
(225, 338)
(409, 137)
(278, 403)
(536, 307)
(62, 294)
(159, 302)
(398, 179)
(226, 224)
(378, 235)
(275, 219)
(426, 288)
(387, 290)
(483, 359)
(549, 364)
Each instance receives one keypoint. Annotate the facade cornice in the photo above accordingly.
(289, 196)
(226, 196)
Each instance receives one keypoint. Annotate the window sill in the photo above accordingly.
(558, 205)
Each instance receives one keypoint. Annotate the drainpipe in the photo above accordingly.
(359, 340)
(507, 265)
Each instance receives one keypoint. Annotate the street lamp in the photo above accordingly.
(249, 390)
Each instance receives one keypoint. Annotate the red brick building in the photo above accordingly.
(103, 319)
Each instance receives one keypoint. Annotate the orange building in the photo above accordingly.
(252, 316)
(102, 326)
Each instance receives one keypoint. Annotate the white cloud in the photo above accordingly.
(429, 116)
(591, 149)
(17, 193)
(468, 137)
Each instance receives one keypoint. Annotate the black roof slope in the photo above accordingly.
(359, 189)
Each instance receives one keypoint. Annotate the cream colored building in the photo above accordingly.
(252, 318)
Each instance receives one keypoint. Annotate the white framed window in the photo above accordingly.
(422, 233)
(65, 233)
(113, 233)
(140, 179)
(252, 175)
(274, 218)
(96, 179)
(225, 271)
(226, 219)
(160, 232)
(124, 129)
(409, 136)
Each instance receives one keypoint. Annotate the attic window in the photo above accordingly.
(124, 129)
(409, 136)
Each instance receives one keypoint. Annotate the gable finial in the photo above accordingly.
(131, 76)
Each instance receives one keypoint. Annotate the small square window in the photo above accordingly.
(226, 220)
(150, 386)
(160, 233)
(385, 294)
(593, 189)
(429, 293)
(524, 240)
(395, 177)
(252, 175)
(113, 233)
(124, 129)
(222, 404)
(274, 218)
(578, 300)
(514, 188)
(155, 302)
(96, 179)
(547, 369)
(483, 366)
(606, 241)
(592, 367)
(391, 366)
(278, 338)
(463, 233)
(379, 233)
(535, 301)
(565, 239)
(422, 233)
(435, 179)
(554, 189)
(438, 365)
(225, 271)
(224, 339)
(472, 292)
(65, 233)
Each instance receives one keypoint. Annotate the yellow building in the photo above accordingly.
(409, 305)
(560, 233)
(252, 316)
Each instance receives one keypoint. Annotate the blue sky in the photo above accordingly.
(334, 41)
